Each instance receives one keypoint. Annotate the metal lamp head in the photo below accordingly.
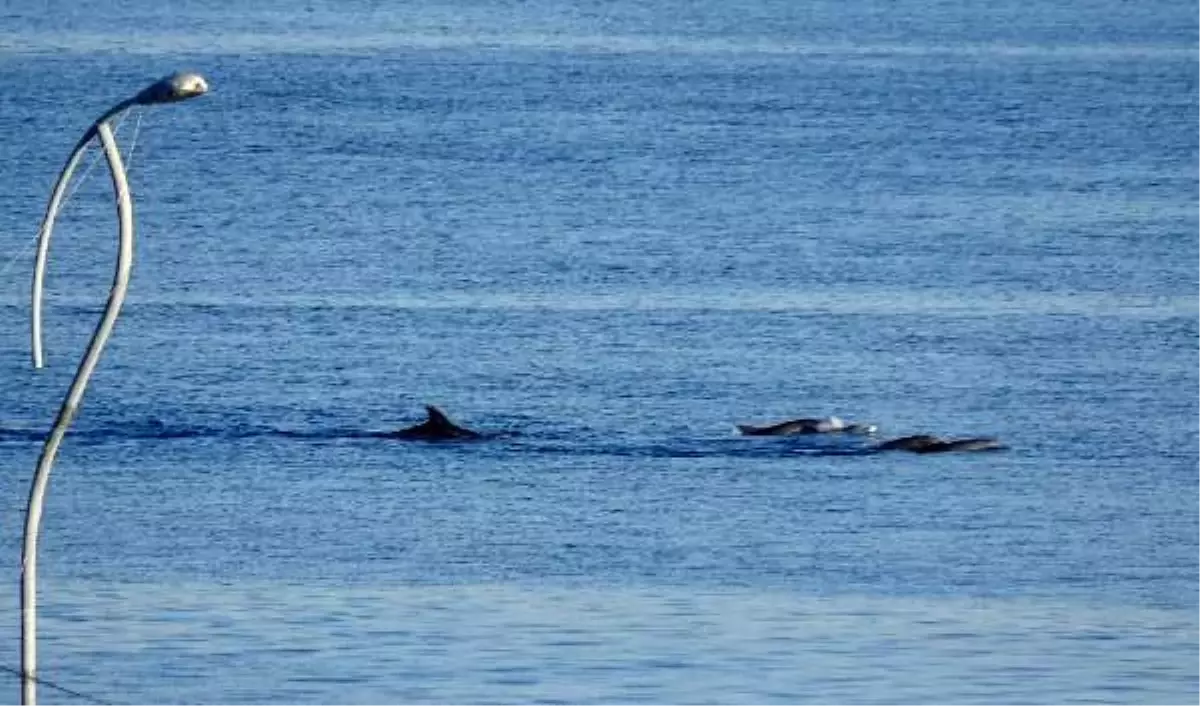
(172, 89)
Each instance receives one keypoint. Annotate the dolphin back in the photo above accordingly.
(436, 427)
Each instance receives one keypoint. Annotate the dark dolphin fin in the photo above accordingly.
(438, 420)
(916, 442)
(436, 427)
(978, 443)
(791, 427)
(926, 444)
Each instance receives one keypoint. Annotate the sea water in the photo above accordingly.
(605, 233)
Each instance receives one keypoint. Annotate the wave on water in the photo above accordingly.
(828, 301)
(307, 41)
(506, 441)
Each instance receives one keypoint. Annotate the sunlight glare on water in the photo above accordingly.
(464, 644)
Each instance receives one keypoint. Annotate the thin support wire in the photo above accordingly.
(96, 154)
(22, 252)
(60, 687)
(137, 129)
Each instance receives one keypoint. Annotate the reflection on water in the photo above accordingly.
(544, 644)
(839, 300)
(354, 39)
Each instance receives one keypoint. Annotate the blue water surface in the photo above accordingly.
(605, 233)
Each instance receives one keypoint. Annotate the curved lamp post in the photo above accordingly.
(171, 89)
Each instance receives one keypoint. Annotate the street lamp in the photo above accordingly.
(171, 89)
(177, 87)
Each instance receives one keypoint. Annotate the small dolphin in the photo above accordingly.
(808, 426)
(927, 444)
(437, 427)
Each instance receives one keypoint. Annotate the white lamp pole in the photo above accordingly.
(173, 88)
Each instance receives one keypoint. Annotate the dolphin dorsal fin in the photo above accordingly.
(437, 417)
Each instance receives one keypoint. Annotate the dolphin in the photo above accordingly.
(927, 444)
(437, 427)
(808, 425)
